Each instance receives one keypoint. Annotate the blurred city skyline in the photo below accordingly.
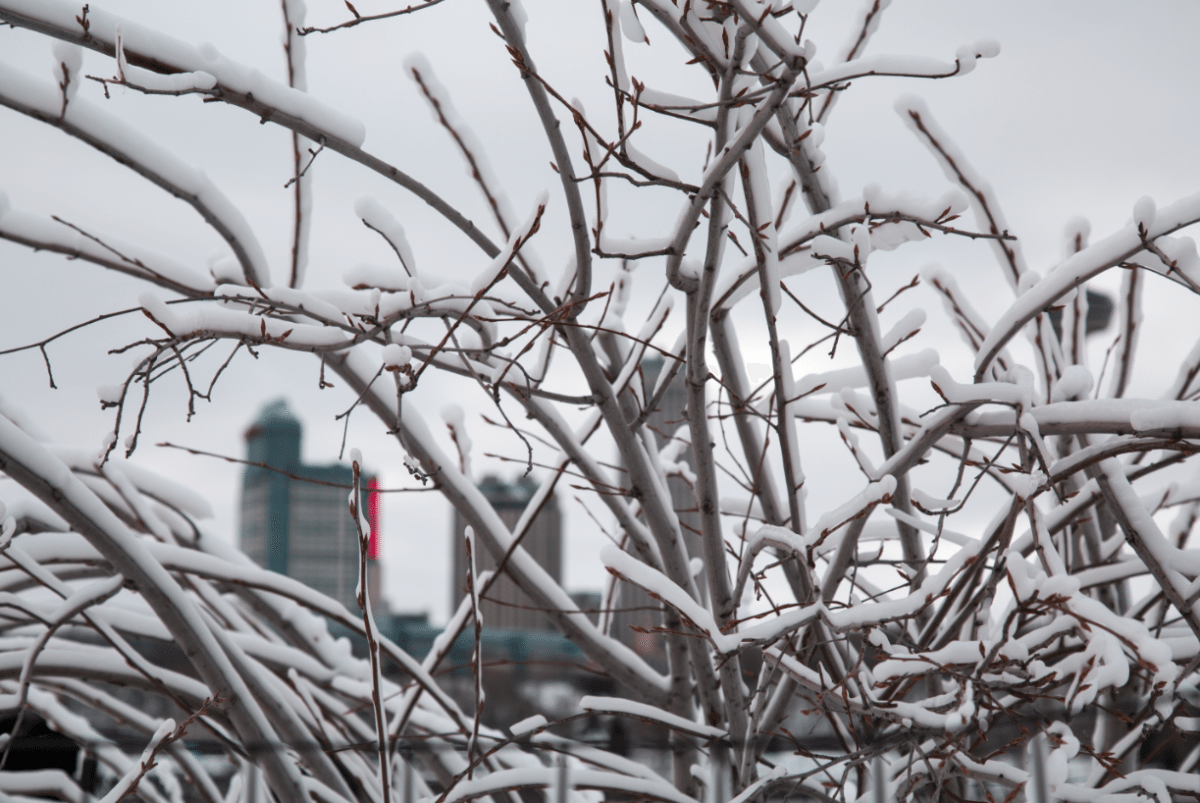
(1088, 107)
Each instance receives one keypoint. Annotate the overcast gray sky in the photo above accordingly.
(1089, 106)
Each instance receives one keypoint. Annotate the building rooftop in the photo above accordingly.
(508, 494)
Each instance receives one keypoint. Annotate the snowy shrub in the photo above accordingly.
(964, 560)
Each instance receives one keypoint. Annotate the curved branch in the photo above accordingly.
(50, 480)
(292, 110)
(113, 138)
(514, 37)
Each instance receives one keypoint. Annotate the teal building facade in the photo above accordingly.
(293, 524)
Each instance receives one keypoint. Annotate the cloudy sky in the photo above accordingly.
(1089, 106)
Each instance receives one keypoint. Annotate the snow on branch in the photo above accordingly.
(910, 584)
(121, 142)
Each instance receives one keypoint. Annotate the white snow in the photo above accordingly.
(196, 321)
(1143, 213)
(140, 78)
(68, 56)
(374, 215)
(43, 232)
(904, 329)
(631, 26)
(651, 166)
(491, 273)
(396, 356)
(965, 56)
(1082, 266)
(955, 163)
(764, 225)
(1074, 384)
(632, 708)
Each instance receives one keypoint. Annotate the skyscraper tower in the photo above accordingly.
(293, 524)
(505, 606)
(635, 610)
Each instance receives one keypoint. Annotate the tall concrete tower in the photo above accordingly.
(506, 607)
(636, 611)
(293, 524)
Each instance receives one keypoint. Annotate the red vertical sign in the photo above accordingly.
(373, 517)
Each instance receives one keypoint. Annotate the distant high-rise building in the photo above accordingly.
(505, 606)
(292, 524)
(636, 612)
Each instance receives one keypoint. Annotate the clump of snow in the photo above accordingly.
(860, 238)
(491, 274)
(68, 57)
(140, 78)
(1143, 213)
(1026, 486)
(226, 270)
(828, 247)
(1015, 393)
(905, 329)
(106, 444)
(1181, 256)
(377, 217)
(931, 504)
(1075, 235)
(396, 357)
(968, 54)
(987, 48)
(528, 725)
(455, 420)
(1165, 416)
(650, 165)
(1075, 383)
(362, 276)
(110, 394)
(631, 26)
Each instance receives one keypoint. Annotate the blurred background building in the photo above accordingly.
(295, 521)
(505, 606)
(295, 517)
(635, 614)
